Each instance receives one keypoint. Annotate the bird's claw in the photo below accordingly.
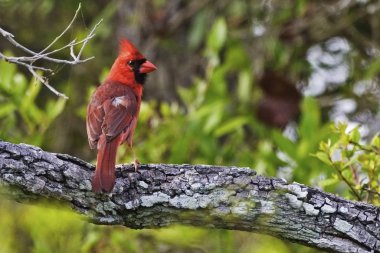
(136, 164)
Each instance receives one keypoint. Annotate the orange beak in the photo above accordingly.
(147, 67)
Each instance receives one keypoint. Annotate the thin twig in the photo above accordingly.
(45, 82)
(64, 31)
(90, 35)
(340, 174)
(370, 149)
(28, 65)
(29, 60)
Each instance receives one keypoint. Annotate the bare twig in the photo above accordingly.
(29, 60)
(45, 82)
(64, 31)
(346, 181)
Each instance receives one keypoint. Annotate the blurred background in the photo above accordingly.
(244, 83)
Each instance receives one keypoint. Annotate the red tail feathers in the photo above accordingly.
(104, 178)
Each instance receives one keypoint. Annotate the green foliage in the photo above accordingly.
(311, 132)
(216, 124)
(210, 126)
(356, 164)
(211, 121)
(22, 118)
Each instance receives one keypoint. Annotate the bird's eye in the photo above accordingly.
(131, 63)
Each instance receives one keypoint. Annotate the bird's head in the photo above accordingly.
(130, 66)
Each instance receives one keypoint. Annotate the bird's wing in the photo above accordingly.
(94, 121)
(113, 116)
(120, 117)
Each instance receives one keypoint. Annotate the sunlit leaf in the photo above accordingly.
(7, 72)
(355, 135)
(230, 126)
(285, 144)
(212, 121)
(55, 108)
(323, 157)
(7, 109)
(217, 35)
(328, 182)
(310, 119)
(245, 86)
(375, 141)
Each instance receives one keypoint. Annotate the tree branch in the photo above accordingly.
(28, 61)
(159, 195)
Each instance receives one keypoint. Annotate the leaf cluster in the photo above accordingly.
(356, 163)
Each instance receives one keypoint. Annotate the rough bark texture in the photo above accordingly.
(209, 196)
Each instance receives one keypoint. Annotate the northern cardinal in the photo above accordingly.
(113, 111)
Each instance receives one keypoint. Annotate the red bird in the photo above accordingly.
(113, 111)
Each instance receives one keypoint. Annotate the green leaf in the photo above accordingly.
(165, 109)
(19, 86)
(31, 93)
(350, 162)
(217, 88)
(53, 109)
(375, 141)
(6, 109)
(244, 86)
(285, 144)
(7, 72)
(213, 120)
(207, 110)
(231, 126)
(328, 182)
(310, 119)
(198, 29)
(218, 35)
(237, 57)
(325, 146)
(355, 135)
(340, 127)
(301, 7)
(323, 157)
(372, 69)
(187, 95)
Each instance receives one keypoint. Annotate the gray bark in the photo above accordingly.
(159, 195)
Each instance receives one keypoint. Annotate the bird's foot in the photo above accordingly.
(136, 164)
